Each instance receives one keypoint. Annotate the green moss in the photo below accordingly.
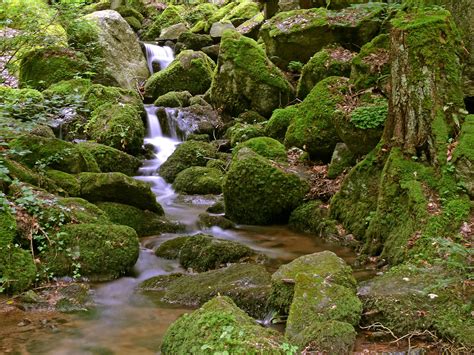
(199, 180)
(280, 121)
(366, 117)
(78, 210)
(330, 61)
(316, 300)
(200, 12)
(145, 223)
(53, 153)
(187, 154)
(68, 87)
(98, 95)
(42, 67)
(463, 156)
(190, 70)
(266, 147)
(66, 181)
(222, 12)
(7, 227)
(174, 99)
(111, 253)
(313, 218)
(242, 12)
(24, 174)
(312, 129)
(247, 285)
(219, 325)
(126, 11)
(110, 159)
(207, 221)
(342, 159)
(258, 192)
(171, 248)
(195, 41)
(251, 117)
(241, 132)
(17, 268)
(118, 126)
(23, 104)
(170, 16)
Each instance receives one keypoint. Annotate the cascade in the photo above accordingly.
(157, 54)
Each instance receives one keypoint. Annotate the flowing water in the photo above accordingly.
(128, 322)
(159, 55)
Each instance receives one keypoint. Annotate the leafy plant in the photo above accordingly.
(295, 66)
(367, 117)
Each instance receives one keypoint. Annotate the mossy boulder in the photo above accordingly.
(198, 180)
(7, 227)
(337, 4)
(195, 41)
(17, 268)
(251, 27)
(279, 122)
(172, 32)
(97, 95)
(256, 191)
(120, 51)
(325, 265)
(118, 126)
(201, 331)
(118, 187)
(251, 117)
(342, 159)
(45, 66)
(190, 70)
(361, 125)
(73, 87)
(248, 285)
(22, 104)
(266, 147)
(144, 222)
(53, 153)
(318, 300)
(203, 252)
(330, 61)
(110, 159)
(463, 156)
(170, 16)
(67, 182)
(296, 35)
(313, 217)
(241, 132)
(187, 154)
(101, 252)
(207, 220)
(174, 99)
(329, 337)
(396, 299)
(78, 210)
(245, 10)
(246, 79)
(313, 129)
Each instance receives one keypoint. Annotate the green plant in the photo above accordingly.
(367, 117)
(289, 349)
(295, 66)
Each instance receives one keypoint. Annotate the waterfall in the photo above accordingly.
(156, 54)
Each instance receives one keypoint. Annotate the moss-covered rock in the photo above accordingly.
(258, 192)
(23, 104)
(313, 217)
(207, 220)
(67, 182)
(244, 11)
(251, 27)
(110, 159)
(174, 99)
(247, 285)
(170, 16)
(202, 331)
(97, 95)
(17, 268)
(312, 128)
(66, 88)
(195, 41)
(53, 153)
(325, 265)
(190, 70)
(330, 61)
(118, 187)
(297, 35)
(118, 126)
(342, 159)
(251, 117)
(145, 223)
(410, 298)
(203, 252)
(241, 132)
(331, 337)
(371, 67)
(187, 154)
(265, 146)
(463, 156)
(45, 66)
(278, 124)
(101, 252)
(199, 180)
(246, 79)
(217, 207)
(7, 227)
(78, 210)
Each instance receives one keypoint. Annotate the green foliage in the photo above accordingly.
(295, 66)
(366, 117)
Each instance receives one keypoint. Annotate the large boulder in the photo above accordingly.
(117, 187)
(101, 252)
(119, 48)
(265, 146)
(198, 180)
(246, 79)
(220, 326)
(190, 70)
(170, 16)
(257, 191)
(248, 285)
(187, 154)
(296, 35)
(280, 121)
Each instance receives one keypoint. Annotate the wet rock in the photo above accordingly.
(117, 187)
(207, 221)
(217, 207)
(258, 192)
(174, 99)
(247, 285)
(204, 327)
(199, 180)
(246, 79)
(212, 51)
(312, 217)
(75, 297)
